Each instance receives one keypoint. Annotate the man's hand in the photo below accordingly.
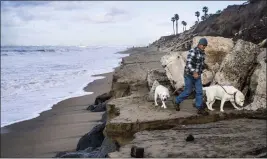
(195, 75)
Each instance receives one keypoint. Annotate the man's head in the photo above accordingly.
(202, 43)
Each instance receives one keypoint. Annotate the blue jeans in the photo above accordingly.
(190, 81)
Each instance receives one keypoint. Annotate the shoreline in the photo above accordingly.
(84, 89)
(42, 136)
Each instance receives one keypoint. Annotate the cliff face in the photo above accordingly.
(247, 22)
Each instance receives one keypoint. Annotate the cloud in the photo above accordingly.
(164, 23)
(116, 12)
(112, 15)
(91, 22)
(17, 4)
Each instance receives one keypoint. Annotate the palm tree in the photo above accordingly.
(173, 20)
(183, 23)
(197, 14)
(176, 17)
(205, 10)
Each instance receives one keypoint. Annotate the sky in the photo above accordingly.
(72, 23)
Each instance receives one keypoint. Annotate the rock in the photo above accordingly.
(184, 55)
(92, 152)
(215, 68)
(137, 152)
(88, 150)
(97, 108)
(255, 75)
(174, 64)
(92, 139)
(107, 146)
(259, 99)
(207, 77)
(222, 139)
(217, 49)
(104, 117)
(59, 154)
(131, 77)
(80, 154)
(237, 65)
(102, 98)
(74, 155)
(159, 75)
(189, 138)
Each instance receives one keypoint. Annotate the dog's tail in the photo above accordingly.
(155, 84)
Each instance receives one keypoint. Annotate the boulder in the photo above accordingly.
(207, 77)
(217, 49)
(87, 153)
(184, 55)
(174, 64)
(254, 77)
(258, 80)
(92, 139)
(102, 98)
(107, 146)
(97, 108)
(159, 75)
(104, 117)
(237, 64)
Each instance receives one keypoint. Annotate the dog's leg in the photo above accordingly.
(210, 101)
(155, 99)
(233, 103)
(163, 105)
(222, 104)
(210, 105)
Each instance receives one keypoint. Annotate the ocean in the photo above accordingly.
(34, 78)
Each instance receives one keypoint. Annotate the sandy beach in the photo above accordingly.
(55, 130)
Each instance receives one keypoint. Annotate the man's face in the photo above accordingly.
(202, 47)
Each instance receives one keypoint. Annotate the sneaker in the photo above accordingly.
(177, 107)
(202, 111)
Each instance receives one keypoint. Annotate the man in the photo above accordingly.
(192, 76)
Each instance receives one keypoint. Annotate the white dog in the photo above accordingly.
(161, 92)
(223, 93)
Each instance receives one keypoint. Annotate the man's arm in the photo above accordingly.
(190, 63)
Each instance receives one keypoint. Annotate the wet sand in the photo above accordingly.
(55, 130)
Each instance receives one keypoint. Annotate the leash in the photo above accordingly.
(230, 94)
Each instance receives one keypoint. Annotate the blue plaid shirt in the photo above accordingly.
(195, 61)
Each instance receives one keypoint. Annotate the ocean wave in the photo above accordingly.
(37, 50)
